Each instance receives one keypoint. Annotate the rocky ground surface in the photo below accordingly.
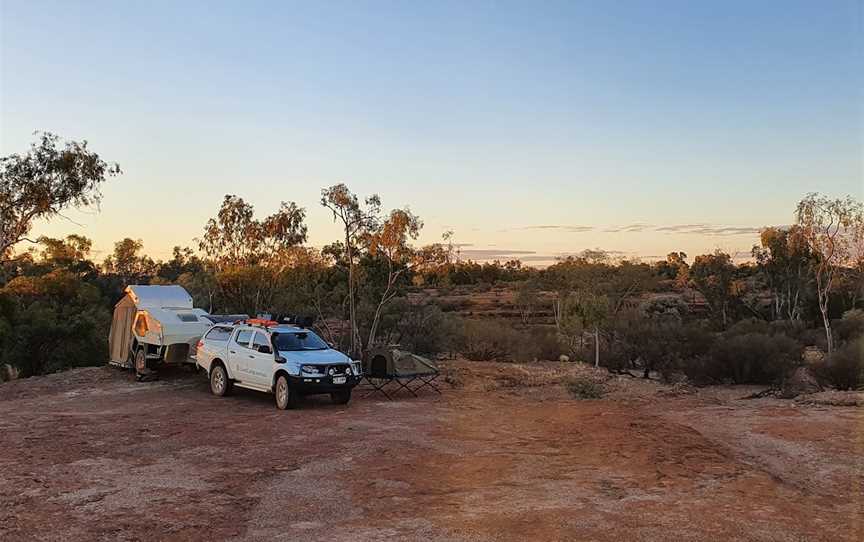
(504, 454)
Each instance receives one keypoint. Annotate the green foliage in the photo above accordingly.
(712, 275)
(235, 237)
(753, 358)
(424, 329)
(784, 261)
(585, 386)
(128, 263)
(52, 322)
(851, 326)
(651, 341)
(43, 182)
(499, 340)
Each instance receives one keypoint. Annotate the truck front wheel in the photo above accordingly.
(286, 397)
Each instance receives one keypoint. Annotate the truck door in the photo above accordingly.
(261, 362)
(238, 352)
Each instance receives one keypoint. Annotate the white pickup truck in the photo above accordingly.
(285, 360)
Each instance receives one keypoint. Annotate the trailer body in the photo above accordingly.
(159, 321)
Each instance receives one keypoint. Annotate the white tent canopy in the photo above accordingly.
(159, 297)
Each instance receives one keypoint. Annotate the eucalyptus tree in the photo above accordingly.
(833, 229)
(44, 182)
(357, 220)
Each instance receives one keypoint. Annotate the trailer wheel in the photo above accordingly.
(220, 384)
(140, 364)
(286, 397)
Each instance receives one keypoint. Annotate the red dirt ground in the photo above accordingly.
(92, 455)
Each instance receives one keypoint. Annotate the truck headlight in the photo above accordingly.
(311, 369)
(348, 371)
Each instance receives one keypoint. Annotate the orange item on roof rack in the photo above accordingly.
(261, 322)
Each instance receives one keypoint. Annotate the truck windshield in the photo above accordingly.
(302, 340)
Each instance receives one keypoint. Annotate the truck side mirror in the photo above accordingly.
(264, 349)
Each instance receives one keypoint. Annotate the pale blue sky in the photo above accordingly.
(488, 118)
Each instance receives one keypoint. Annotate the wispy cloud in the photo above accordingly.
(639, 227)
(560, 227)
(709, 229)
(630, 228)
(494, 254)
(679, 228)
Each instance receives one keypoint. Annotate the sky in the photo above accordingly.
(529, 129)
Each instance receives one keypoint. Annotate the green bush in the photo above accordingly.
(844, 368)
(53, 322)
(652, 343)
(585, 387)
(850, 327)
(753, 358)
(426, 329)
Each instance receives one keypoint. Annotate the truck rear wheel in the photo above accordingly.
(220, 384)
(286, 397)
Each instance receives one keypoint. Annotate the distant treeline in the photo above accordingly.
(367, 287)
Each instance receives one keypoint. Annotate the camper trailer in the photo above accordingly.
(155, 325)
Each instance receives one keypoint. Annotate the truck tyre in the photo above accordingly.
(341, 397)
(285, 396)
(140, 364)
(220, 384)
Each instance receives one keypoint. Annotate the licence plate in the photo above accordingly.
(339, 379)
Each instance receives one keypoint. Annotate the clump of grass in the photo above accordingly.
(585, 386)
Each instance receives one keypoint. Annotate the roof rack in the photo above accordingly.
(257, 322)
(267, 320)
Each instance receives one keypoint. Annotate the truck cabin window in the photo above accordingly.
(220, 334)
(296, 341)
(243, 338)
(262, 340)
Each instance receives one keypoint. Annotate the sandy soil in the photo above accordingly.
(92, 455)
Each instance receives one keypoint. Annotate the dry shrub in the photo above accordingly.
(678, 389)
(512, 376)
(585, 386)
(844, 368)
(833, 398)
(485, 340)
(454, 380)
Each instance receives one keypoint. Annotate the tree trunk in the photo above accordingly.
(352, 316)
(829, 336)
(596, 347)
